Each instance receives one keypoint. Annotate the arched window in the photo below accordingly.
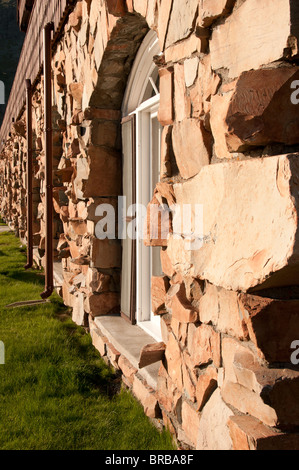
(141, 136)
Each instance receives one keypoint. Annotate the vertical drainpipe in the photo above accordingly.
(49, 281)
(29, 177)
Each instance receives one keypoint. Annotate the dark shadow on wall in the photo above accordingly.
(11, 41)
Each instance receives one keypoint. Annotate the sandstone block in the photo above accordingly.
(219, 109)
(185, 48)
(102, 304)
(182, 102)
(278, 388)
(76, 90)
(127, 369)
(206, 385)
(160, 286)
(257, 111)
(106, 254)
(247, 41)
(213, 431)
(166, 149)
(190, 422)
(249, 402)
(273, 325)
(181, 309)
(167, 267)
(205, 346)
(151, 354)
(249, 433)
(103, 176)
(166, 109)
(104, 133)
(113, 355)
(189, 380)
(147, 397)
(78, 314)
(99, 341)
(223, 309)
(164, 9)
(210, 10)
(165, 322)
(97, 281)
(158, 223)
(249, 235)
(190, 71)
(116, 7)
(181, 21)
(192, 146)
(174, 362)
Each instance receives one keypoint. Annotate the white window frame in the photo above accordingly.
(144, 316)
(142, 69)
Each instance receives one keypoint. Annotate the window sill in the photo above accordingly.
(129, 341)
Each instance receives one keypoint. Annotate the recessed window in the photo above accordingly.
(141, 135)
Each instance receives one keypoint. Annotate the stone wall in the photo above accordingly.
(229, 310)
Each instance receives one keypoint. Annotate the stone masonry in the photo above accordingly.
(230, 310)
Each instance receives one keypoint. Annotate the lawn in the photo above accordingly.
(56, 392)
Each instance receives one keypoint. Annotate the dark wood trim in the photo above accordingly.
(29, 176)
(134, 242)
(48, 132)
(132, 318)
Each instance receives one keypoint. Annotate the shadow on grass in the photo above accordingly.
(25, 276)
(95, 373)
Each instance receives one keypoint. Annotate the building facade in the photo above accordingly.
(149, 161)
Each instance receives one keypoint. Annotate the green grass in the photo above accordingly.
(56, 392)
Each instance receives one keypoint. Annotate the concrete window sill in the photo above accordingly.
(129, 341)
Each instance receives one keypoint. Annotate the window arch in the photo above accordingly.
(143, 82)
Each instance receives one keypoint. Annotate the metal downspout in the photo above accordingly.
(29, 177)
(49, 275)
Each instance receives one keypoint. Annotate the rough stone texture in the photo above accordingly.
(211, 10)
(99, 341)
(257, 111)
(223, 309)
(227, 298)
(239, 250)
(213, 432)
(205, 346)
(254, 389)
(151, 353)
(180, 307)
(247, 41)
(159, 289)
(207, 383)
(248, 433)
(281, 318)
(147, 397)
(181, 21)
(190, 422)
(192, 146)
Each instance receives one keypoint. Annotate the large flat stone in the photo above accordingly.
(256, 34)
(250, 230)
(256, 112)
